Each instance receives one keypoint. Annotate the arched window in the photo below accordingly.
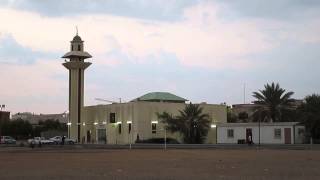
(71, 47)
(79, 47)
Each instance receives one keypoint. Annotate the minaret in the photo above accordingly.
(76, 66)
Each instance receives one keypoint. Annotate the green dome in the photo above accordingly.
(161, 97)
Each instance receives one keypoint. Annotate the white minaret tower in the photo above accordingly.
(76, 66)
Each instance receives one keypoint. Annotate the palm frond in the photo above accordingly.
(274, 99)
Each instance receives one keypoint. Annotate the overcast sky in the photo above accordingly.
(204, 51)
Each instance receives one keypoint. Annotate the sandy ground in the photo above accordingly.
(160, 164)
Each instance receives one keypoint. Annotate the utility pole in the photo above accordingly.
(244, 93)
(259, 127)
(165, 139)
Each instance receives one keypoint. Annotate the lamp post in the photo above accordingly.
(259, 128)
(165, 138)
(118, 127)
(96, 140)
(65, 116)
(214, 126)
(105, 139)
(165, 133)
(84, 130)
(130, 134)
(69, 124)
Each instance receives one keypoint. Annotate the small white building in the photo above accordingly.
(265, 133)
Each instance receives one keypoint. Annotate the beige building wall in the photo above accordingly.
(141, 114)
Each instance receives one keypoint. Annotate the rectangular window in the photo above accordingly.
(119, 128)
(129, 128)
(230, 133)
(154, 128)
(112, 117)
(277, 133)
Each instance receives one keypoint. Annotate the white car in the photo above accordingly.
(7, 140)
(38, 140)
(58, 140)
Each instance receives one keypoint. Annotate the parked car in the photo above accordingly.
(58, 140)
(7, 140)
(38, 140)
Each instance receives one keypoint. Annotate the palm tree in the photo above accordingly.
(191, 123)
(272, 101)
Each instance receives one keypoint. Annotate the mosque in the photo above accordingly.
(123, 123)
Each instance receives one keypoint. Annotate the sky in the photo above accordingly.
(202, 50)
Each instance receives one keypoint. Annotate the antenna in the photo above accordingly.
(77, 30)
(244, 93)
(105, 100)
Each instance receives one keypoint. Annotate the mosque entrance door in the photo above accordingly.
(88, 136)
(102, 136)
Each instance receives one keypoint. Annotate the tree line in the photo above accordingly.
(23, 129)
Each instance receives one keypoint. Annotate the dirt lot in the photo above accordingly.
(160, 164)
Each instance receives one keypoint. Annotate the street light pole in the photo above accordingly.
(66, 115)
(130, 140)
(69, 131)
(165, 138)
(259, 129)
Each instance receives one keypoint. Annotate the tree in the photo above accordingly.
(273, 100)
(231, 117)
(309, 112)
(243, 116)
(191, 123)
(51, 124)
(19, 129)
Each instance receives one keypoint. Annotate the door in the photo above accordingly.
(249, 135)
(102, 136)
(88, 136)
(287, 135)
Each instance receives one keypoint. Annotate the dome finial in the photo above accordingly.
(77, 30)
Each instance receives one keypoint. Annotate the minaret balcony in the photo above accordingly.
(77, 54)
(76, 64)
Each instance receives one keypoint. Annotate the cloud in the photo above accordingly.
(132, 79)
(144, 9)
(34, 86)
(13, 53)
(284, 10)
(201, 55)
(31, 80)
(200, 39)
